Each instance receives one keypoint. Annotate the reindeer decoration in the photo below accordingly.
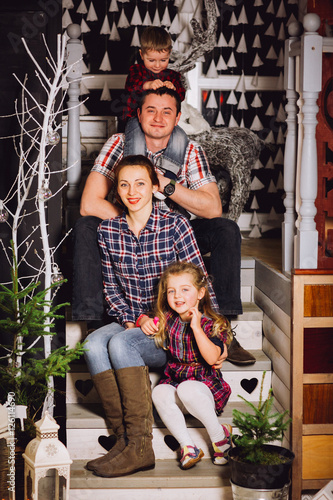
(231, 152)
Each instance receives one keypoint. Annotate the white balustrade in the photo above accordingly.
(310, 85)
(300, 168)
(288, 226)
(74, 57)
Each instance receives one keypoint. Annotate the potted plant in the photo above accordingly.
(25, 373)
(255, 464)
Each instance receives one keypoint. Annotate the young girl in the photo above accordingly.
(195, 337)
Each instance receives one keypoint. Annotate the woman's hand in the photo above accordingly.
(149, 326)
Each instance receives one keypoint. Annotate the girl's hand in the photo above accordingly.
(222, 357)
(169, 85)
(149, 326)
(129, 325)
(195, 316)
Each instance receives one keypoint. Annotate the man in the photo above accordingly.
(186, 184)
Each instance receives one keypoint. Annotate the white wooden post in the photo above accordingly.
(288, 226)
(193, 94)
(310, 85)
(74, 56)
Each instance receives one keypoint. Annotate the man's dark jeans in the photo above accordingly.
(219, 236)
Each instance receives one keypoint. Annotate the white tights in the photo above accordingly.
(192, 397)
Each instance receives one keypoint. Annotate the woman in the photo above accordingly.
(136, 247)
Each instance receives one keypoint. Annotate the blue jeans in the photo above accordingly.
(113, 347)
(219, 236)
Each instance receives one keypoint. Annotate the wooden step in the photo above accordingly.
(247, 279)
(243, 380)
(165, 482)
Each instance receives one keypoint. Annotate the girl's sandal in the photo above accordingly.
(190, 458)
(221, 448)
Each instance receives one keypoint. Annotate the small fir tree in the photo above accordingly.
(262, 427)
(28, 316)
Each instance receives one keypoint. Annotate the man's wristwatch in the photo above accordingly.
(170, 188)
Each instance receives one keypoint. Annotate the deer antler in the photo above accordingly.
(203, 41)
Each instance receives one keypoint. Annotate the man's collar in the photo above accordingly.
(161, 151)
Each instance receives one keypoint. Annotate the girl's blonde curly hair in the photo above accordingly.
(200, 280)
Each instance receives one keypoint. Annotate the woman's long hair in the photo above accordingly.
(199, 281)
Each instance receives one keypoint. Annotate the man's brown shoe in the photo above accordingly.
(238, 355)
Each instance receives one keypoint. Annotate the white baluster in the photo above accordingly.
(288, 226)
(193, 94)
(310, 86)
(74, 51)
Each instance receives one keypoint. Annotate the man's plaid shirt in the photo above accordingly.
(193, 174)
(138, 74)
(132, 266)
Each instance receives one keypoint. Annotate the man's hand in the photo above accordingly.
(223, 357)
(204, 201)
(129, 325)
(94, 197)
(163, 181)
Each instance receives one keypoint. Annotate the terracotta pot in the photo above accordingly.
(257, 476)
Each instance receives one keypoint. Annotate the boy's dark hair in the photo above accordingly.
(161, 91)
(154, 38)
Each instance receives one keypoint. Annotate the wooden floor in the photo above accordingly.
(269, 250)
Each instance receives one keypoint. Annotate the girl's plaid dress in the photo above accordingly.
(184, 352)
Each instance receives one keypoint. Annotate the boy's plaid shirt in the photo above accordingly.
(138, 74)
(132, 266)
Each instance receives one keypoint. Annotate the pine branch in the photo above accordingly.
(261, 427)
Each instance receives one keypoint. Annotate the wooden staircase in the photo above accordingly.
(86, 425)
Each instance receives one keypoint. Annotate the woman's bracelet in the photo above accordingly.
(137, 323)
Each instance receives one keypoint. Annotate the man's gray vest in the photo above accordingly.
(173, 157)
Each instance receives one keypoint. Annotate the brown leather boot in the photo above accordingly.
(107, 389)
(135, 390)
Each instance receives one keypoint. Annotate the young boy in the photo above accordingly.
(152, 73)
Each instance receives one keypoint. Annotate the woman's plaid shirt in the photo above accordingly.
(132, 266)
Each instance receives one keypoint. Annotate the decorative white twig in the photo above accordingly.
(37, 138)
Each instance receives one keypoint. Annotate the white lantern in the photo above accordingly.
(47, 464)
